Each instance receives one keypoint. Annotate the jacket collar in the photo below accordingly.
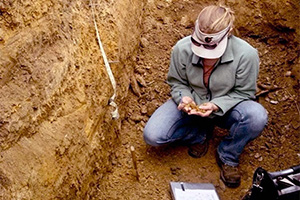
(226, 57)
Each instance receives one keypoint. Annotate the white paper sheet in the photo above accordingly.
(196, 194)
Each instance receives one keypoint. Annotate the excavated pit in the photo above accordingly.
(57, 137)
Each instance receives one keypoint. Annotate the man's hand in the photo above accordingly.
(189, 106)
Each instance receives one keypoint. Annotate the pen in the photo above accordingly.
(182, 186)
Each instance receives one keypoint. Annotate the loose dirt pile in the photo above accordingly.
(57, 138)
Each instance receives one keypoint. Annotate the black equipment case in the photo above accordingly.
(281, 185)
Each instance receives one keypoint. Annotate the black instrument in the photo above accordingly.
(283, 185)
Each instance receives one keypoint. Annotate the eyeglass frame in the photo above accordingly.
(207, 46)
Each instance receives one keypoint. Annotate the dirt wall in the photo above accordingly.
(56, 130)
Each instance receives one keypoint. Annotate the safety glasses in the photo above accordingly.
(209, 46)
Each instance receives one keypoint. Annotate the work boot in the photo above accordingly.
(198, 150)
(230, 175)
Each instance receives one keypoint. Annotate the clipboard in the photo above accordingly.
(193, 191)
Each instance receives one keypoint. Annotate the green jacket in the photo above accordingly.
(232, 80)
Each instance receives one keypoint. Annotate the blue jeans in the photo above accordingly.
(169, 126)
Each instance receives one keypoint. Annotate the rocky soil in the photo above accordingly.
(278, 90)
